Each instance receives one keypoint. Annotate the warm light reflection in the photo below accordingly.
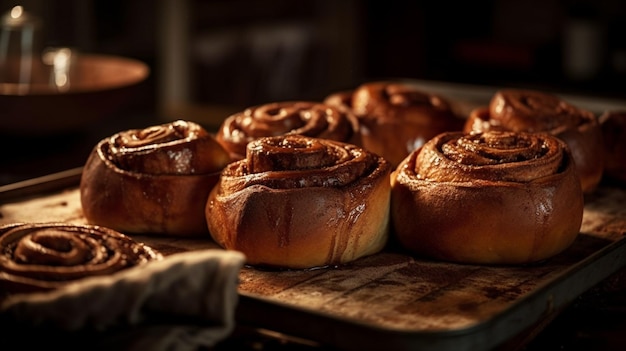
(17, 11)
(61, 60)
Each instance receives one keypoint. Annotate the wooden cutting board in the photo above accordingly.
(390, 300)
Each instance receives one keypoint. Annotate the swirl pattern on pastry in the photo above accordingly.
(495, 197)
(45, 256)
(535, 111)
(396, 118)
(153, 180)
(301, 202)
(180, 147)
(311, 119)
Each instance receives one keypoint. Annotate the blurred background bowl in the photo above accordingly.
(99, 86)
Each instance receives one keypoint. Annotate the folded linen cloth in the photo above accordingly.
(182, 302)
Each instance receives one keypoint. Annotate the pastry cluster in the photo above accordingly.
(302, 184)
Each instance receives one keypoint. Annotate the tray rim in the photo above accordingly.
(544, 300)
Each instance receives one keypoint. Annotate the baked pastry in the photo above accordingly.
(613, 125)
(307, 118)
(534, 111)
(46, 256)
(487, 198)
(301, 202)
(154, 180)
(396, 118)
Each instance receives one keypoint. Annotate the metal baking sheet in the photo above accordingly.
(390, 300)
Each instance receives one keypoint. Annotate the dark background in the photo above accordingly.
(209, 58)
(244, 52)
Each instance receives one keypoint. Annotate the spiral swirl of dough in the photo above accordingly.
(534, 111)
(282, 118)
(397, 118)
(43, 256)
(494, 155)
(294, 162)
(180, 147)
(540, 112)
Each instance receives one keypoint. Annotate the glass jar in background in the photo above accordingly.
(20, 51)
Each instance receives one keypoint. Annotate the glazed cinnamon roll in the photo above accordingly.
(311, 119)
(613, 125)
(396, 118)
(46, 256)
(487, 198)
(534, 111)
(154, 180)
(301, 202)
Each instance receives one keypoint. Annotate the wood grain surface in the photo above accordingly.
(405, 299)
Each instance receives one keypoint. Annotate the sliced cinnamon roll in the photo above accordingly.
(396, 118)
(45, 256)
(154, 180)
(301, 202)
(534, 111)
(311, 119)
(488, 198)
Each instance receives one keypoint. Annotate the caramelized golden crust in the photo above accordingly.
(311, 119)
(487, 198)
(396, 118)
(300, 202)
(613, 124)
(534, 111)
(45, 256)
(153, 181)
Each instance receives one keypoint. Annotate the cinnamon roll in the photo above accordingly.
(613, 125)
(487, 198)
(302, 202)
(46, 256)
(154, 180)
(311, 119)
(534, 111)
(397, 118)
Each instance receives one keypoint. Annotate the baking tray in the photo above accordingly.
(391, 300)
(394, 300)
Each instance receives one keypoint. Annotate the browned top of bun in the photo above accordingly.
(279, 162)
(179, 147)
(395, 118)
(493, 156)
(399, 101)
(311, 119)
(535, 111)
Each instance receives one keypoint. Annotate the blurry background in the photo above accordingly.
(244, 52)
(209, 58)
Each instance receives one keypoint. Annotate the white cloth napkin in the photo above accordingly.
(182, 302)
